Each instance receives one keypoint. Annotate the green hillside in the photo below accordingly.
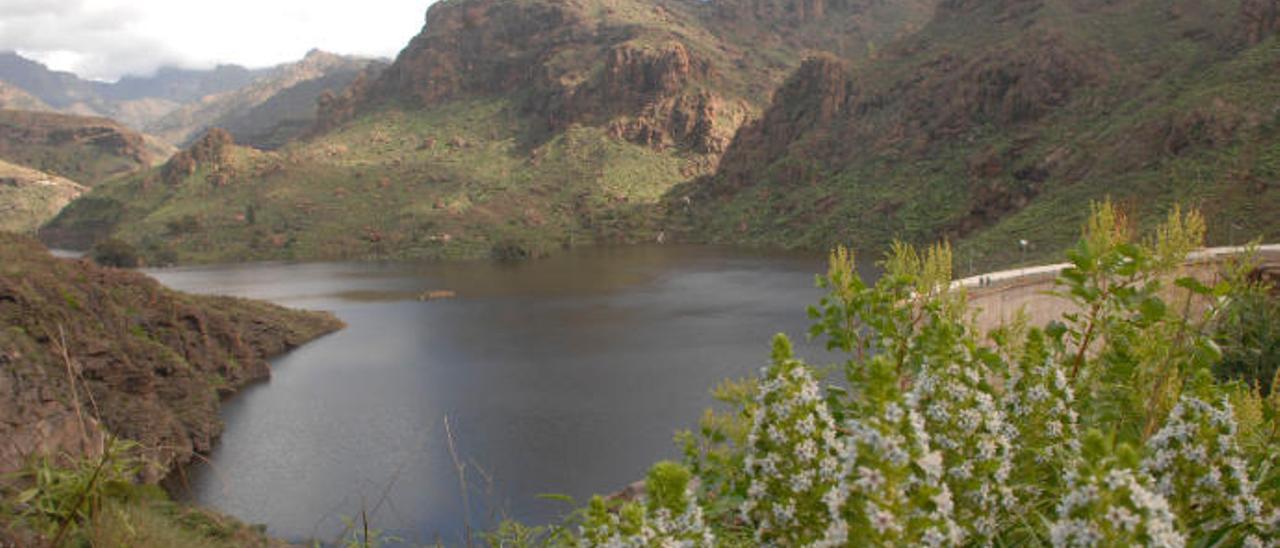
(505, 129)
(1000, 120)
(28, 197)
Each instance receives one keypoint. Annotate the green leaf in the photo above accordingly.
(1193, 285)
(1152, 309)
(26, 496)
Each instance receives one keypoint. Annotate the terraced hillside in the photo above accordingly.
(84, 149)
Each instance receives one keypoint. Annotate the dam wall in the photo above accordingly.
(1028, 289)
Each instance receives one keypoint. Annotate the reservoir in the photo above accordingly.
(567, 375)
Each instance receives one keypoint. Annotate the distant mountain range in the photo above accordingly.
(177, 104)
(513, 128)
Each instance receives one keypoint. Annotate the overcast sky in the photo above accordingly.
(105, 39)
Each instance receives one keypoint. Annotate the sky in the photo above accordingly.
(105, 39)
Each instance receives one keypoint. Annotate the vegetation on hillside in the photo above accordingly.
(108, 381)
(999, 121)
(29, 198)
(505, 128)
(1121, 424)
(84, 149)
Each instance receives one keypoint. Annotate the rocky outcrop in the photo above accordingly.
(480, 46)
(814, 97)
(211, 152)
(80, 343)
(546, 51)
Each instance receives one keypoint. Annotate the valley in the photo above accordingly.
(547, 234)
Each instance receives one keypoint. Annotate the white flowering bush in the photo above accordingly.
(792, 459)
(937, 438)
(670, 516)
(970, 431)
(1198, 466)
(892, 491)
(1110, 502)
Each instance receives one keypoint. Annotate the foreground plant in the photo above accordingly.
(793, 454)
(944, 436)
(671, 515)
(1110, 502)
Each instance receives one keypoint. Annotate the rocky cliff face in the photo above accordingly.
(151, 363)
(805, 106)
(547, 51)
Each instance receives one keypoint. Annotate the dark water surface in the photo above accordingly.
(565, 375)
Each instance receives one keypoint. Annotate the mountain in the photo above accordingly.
(1001, 119)
(510, 128)
(84, 149)
(14, 98)
(270, 110)
(132, 100)
(177, 104)
(505, 128)
(28, 197)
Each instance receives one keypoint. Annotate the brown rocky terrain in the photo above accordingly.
(670, 74)
(151, 363)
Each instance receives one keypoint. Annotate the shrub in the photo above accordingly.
(115, 253)
(792, 454)
(942, 439)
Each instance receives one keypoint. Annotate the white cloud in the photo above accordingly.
(105, 39)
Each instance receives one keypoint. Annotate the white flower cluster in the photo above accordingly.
(633, 527)
(969, 429)
(1038, 402)
(891, 491)
(1197, 465)
(1113, 507)
(792, 457)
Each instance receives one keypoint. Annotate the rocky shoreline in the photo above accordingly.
(86, 350)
